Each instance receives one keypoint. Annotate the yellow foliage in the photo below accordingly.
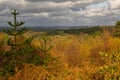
(79, 57)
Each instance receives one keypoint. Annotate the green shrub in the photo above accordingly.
(111, 70)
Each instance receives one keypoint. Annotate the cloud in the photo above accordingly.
(62, 12)
(58, 1)
(52, 0)
(36, 14)
(114, 4)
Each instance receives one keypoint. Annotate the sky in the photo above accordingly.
(61, 12)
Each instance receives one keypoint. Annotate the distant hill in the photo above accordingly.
(54, 28)
(49, 28)
(69, 30)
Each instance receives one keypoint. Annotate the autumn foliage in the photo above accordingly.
(67, 57)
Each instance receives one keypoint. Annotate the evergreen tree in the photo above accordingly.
(118, 24)
(44, 48)
(14, 31)
(13, 60)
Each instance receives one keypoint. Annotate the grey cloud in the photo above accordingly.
(51, 0)
(38, 7)
(95, 1)
(63, 12)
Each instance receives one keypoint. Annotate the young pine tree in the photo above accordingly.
(15, 32)
(13, 60)
(44, 48)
